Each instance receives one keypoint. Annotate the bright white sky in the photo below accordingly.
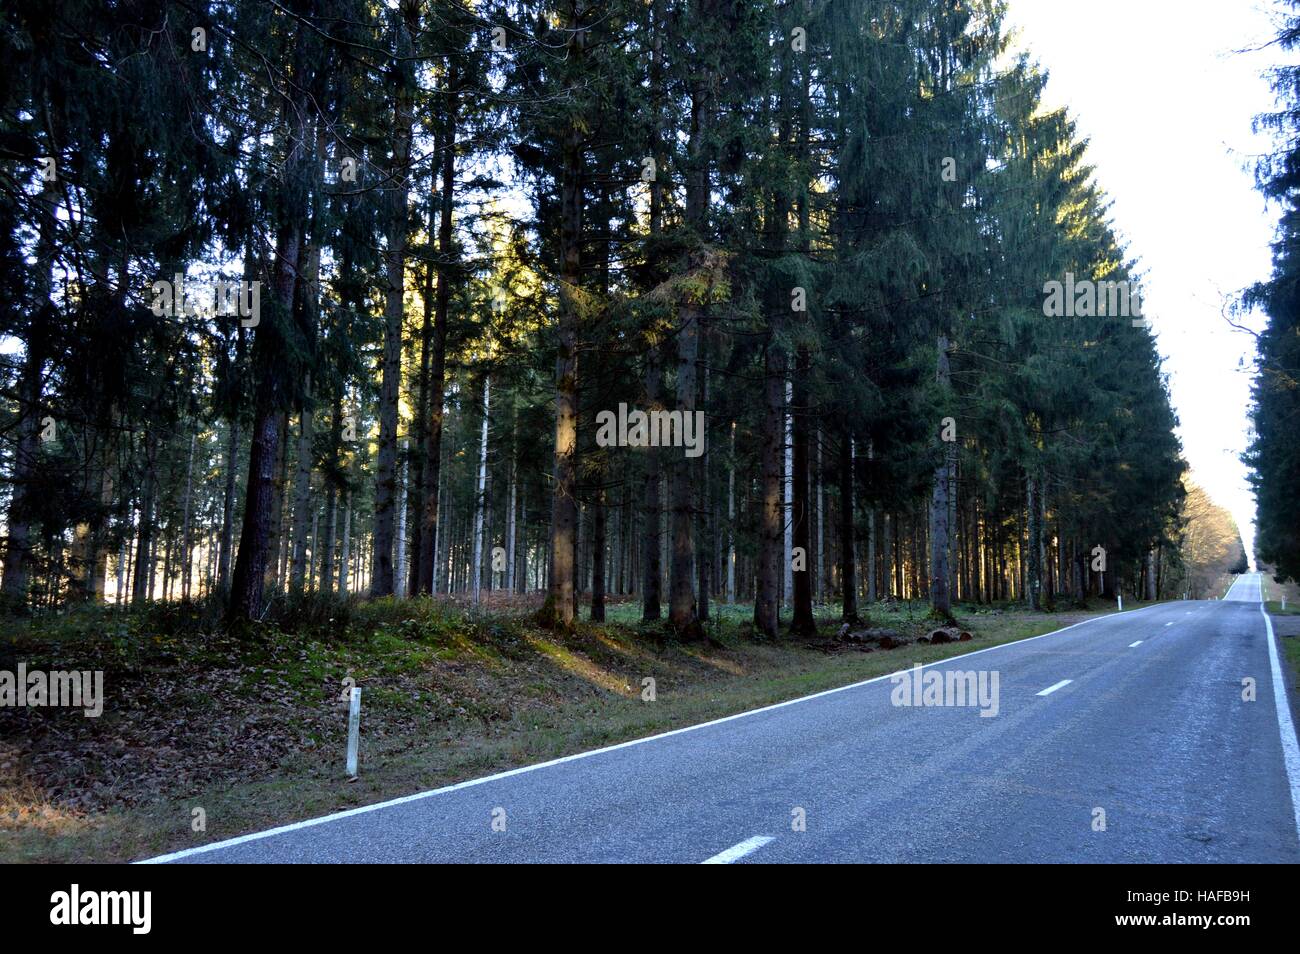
(1166, 99)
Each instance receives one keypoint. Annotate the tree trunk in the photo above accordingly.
(559, 608)
(302, 494)
(848, 567)
(480, 490)
(787, 489)
(650, 592)
(769, 553)
(273, 574)
(704, 517)
(382, 581)
(802, 623)
(187, 556)
(224, 561)
(169, 549)
(940, 579)
(399, 558)
(873, 586)
(142, 586)
(598, 558)
(268, 343)
(510, 523)
(419, 425)
(17, 559)
(820, 586)
(430, 536)
(119, 591)
(1034, 581)
(682, 608)
(440, 550)
(731, 519)
(345, 567)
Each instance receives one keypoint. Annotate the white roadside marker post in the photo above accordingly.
(1119, 598)
(354, 729)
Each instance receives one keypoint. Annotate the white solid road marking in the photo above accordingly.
(1050, 689)
(736, 852)
(1138, 643)
(470, 783)
(1290, 750)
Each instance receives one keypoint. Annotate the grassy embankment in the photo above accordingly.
(1273, 595)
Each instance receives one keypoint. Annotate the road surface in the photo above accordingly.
(1247, 588)
(1122, 739)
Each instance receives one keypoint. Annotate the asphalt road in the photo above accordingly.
(1123, 739)
(1246, 588)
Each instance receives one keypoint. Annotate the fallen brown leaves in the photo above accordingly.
(182, 717)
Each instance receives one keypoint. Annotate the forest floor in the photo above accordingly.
(205, 737)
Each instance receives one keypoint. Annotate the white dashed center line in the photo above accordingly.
(736, 852)
(1050, 689)
(1138, 643)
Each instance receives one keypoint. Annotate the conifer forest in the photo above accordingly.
(498, 356)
